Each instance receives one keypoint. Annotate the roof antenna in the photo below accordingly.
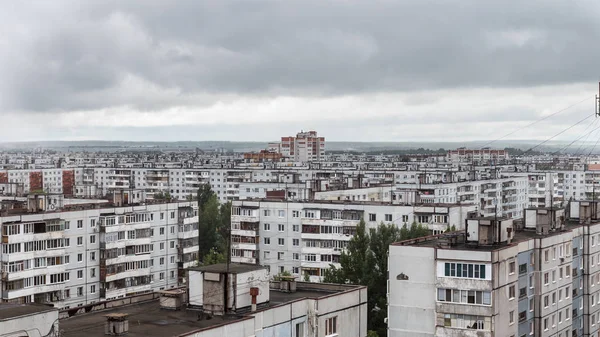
(597, 111)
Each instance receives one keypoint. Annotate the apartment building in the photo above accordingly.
(71, 258)
(506, 196)
(498, 279)
(543, 188)
(305, 147)
(307, 237)
(484, 155)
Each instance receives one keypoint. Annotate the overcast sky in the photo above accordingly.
(250, 70)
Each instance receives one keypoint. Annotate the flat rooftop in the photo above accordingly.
(10, 311)
(458, 239)
(231, 268)
(149, 320)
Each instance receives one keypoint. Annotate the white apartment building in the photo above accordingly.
(307, 237)
(502, 196)
(498, 280)
(75, 258)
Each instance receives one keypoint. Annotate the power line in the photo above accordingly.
(537, 121)
(560, 133)
(581, 147)
(584, 134)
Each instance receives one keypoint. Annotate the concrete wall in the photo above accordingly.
(245, 281)
(36, 324)
(411, 310)
(196, 291)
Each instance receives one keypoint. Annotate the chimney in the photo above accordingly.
(117, 324)
(254, 294)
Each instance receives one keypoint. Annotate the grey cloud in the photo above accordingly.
(79, 55)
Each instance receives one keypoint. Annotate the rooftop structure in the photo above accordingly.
(28, 320)
(309, 310)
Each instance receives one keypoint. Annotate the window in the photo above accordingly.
(80, 240)
(388, 218)
(546, 256)
(93, 272)
(511, 317)
(296, 256)
(92, 239)
(93, 223)
(546, 278)
(92, 289)
(296, 242)
(80, 274)
(464, 296)
(267, 212)
(511, 268)
(162, 261)
(79, 257)
(281, 227)
(280, 255)
(92, 256)
(465, 270)
(511, 292)
(162, 230)
(172, 244)
(267, 241)
(296, 228)
(281, 241)
(79, 223)
(281, 213)
(267, 254)
(331, 326)
(161, 276)
(79, 291)
(372, 217)
(546, 301)
(467, 322)
(295, 214)
(162, 246)
(267, 227)
(523, 268)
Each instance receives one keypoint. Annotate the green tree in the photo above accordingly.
(371, 333)
(208, 226)
(224, 227)
(214, 257)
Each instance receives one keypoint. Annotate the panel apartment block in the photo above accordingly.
(308, 237)
(74, 258)
(500, 279)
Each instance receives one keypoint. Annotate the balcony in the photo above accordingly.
(244, 218)
(128, 274)
(244, 246)
(242, 259)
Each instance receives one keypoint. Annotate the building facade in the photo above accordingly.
(74, 258)
(308, 237)
(496, 279)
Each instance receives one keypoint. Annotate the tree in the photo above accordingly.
(208, 225)
(365, 262)
(203, 195)
(224, 228)
(214, 257)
